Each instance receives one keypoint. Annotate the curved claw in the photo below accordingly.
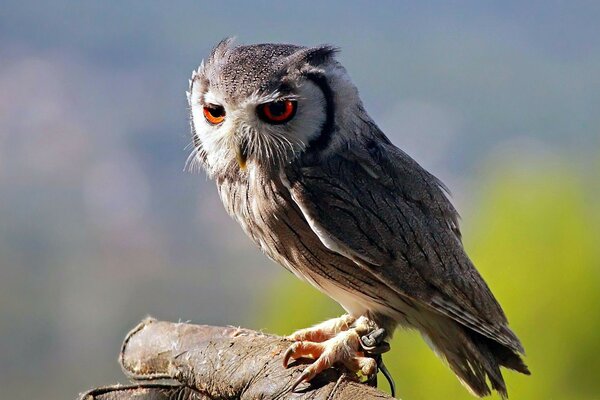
(311, 371)
(287, 355)
(304, 376)
(302, 349)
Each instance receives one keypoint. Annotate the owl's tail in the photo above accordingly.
(474, 358)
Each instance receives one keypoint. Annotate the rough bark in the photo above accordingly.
(199, 362)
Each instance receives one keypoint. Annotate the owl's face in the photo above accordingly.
(260, 105)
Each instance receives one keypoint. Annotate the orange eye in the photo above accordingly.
(277, 112)
(214, 114)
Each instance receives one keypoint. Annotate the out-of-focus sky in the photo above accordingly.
(100, 225)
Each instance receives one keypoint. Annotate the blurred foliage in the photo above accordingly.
(534, 237)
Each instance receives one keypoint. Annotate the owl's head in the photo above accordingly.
(264, 105)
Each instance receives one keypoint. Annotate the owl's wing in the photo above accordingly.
(375, 205)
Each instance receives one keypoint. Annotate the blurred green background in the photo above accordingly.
(100, 225)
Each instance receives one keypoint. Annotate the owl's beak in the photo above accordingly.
(241, 154)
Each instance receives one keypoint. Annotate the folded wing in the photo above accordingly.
(378, 207)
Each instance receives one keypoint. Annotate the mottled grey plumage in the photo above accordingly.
(331, 199)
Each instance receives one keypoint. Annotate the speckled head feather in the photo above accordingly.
(242, 70)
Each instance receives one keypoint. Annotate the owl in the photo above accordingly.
(313, 181)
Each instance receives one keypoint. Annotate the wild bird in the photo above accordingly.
(322, 191)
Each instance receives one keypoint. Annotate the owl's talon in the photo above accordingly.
(344, 349)
(302, 349)
(325, 330)
(304, 376)
(366, 365)
(287, 355)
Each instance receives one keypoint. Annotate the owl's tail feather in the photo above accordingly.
(475, 359)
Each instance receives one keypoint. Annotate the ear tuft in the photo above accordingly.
(221, 48)
(321, 54)
(313, 56)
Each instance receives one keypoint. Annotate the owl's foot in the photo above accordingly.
(325, 330)
(346, 347)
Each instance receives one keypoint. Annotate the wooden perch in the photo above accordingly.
(207, 362)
